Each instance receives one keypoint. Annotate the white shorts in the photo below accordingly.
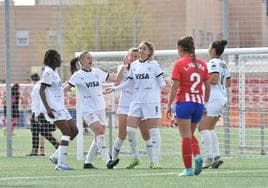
(122, 110)
(99, 116)
(59, 115)
(145, 110)
(215, 107)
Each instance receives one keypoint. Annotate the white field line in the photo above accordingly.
(137, 175)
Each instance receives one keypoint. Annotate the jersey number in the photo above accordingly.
(195, 77)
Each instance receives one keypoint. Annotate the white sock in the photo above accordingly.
(215, 144)
(131, 133)
(117, 147)
(92, 152)
(156, 140)
(207, 143)
(56, 153)
(102, 148)
(63, 150)
(149, 149)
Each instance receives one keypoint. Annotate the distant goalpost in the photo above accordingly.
(247, 111)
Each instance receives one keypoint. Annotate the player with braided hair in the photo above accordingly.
(52, 96)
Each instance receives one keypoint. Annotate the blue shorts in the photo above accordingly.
(189, 110)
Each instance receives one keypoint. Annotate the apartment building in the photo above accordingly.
(33, 27)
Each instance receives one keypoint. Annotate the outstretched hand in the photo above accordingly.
(108, 90)
(169, 113)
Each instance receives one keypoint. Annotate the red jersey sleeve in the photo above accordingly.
(176, 72)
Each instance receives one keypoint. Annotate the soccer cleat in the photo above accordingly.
(63, 167)
(112, 163)
(217, 162)
(155, 165)
(89, 166)
(32, 154)
(54, 160)
(186, 172)
(134, 163)
(198, 165)
(208, 163)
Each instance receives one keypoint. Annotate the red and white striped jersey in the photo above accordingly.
(191, 76)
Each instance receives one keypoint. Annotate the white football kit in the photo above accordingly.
(54, 95)
(89, 87)
(218, 94)
(125, 95)
(146, 81)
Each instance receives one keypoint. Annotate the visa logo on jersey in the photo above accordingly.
(142, 76)
(92, 84)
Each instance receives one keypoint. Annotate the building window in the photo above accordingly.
(22, 38)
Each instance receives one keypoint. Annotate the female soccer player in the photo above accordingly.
(124, 101)
(146, 78)
(188, 75)
(219, 81)
(40, 127)
(88, 81)
(52, 96)
(15, 100)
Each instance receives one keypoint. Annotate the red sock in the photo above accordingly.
(195, 146)
(13, 124)
(186, 148)
(4, 124)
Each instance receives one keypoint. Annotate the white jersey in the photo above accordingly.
(127, 92)
(217, 65)
(36, 99)
(54, 92)
(89, 86)
(145, 77)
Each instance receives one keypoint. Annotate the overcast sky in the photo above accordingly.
(23, 2)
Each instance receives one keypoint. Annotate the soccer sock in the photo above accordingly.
(102, 147)
(149, 149)
(56, 153)
(215, 144)
(117, 147)
(207, 143)
(92, 152)
(131, 133)
(4, 123)
(63, 150)
(13, 124)
(35, 138)
(195, 146)
(156, 140)
(186, 148)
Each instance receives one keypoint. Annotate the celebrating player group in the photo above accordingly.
(197, 98)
